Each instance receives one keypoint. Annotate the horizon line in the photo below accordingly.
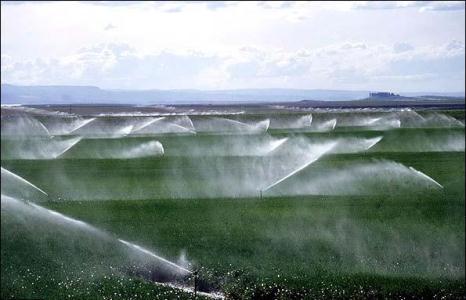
(220, 90)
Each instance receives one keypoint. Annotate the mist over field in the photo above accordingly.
(288, 179)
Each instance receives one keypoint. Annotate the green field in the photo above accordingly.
(354, 222)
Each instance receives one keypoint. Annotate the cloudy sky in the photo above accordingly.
(397, 46)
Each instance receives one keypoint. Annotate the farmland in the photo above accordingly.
(262, 204)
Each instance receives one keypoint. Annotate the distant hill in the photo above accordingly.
(13, 94)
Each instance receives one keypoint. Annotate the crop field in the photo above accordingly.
(272, 204)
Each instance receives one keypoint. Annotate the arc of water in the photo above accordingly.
(144, 125)
(190, 122)
(305, 119)
(418, 115)
(277, 144)
(426, 177)
(126, 130)
(303, 166)
(61, 216)
(82, 125)
(96, 230)
(310, 119)
(77, 140)
(131, 245)
(325, 125)
(21, 179)
(289, 174)
(43, 126)
(182, 127)
(373, 142)
(264, 123)
(236, 122)
(374, 120)
(139, 248)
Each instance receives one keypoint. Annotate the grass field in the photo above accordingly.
(354, 222)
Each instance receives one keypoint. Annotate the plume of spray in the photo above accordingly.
(241, 166)
(274, 145)
(422, 140)
(231, 166)
(145, 122)
(105, 128)
(20, 127)
(80, 123)
(363, 178)
(143, 250)
(306, 120)
(225, 125)
(290, 157)
(426, 177)
(164, 125)
(189, 123)
(309, 159)
(11, 181)
(440, 120)
(291, 122)
(261, 126)
(183, 260)
(223, 146)
(13, 184)
(355, 145)
(65, 125)
(327, 125)
(116, 149)
(386, 123)
(38, 147)
(184, 121)
(412, 119)
(242, 176)
(381, 121)
(409, 251)
(76, 228)
(63, 220)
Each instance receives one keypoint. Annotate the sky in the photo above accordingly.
(394, 46)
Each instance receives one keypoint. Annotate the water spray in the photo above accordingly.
(147, 123)
(288, 175)
(131, 245)
(21, 179)
(84, 123)
(75, 223)
(303, 166)
(426, 177)
(74, 142)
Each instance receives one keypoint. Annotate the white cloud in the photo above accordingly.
(402, 47)
(421, 5)
(340, 65)
(203, 44)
